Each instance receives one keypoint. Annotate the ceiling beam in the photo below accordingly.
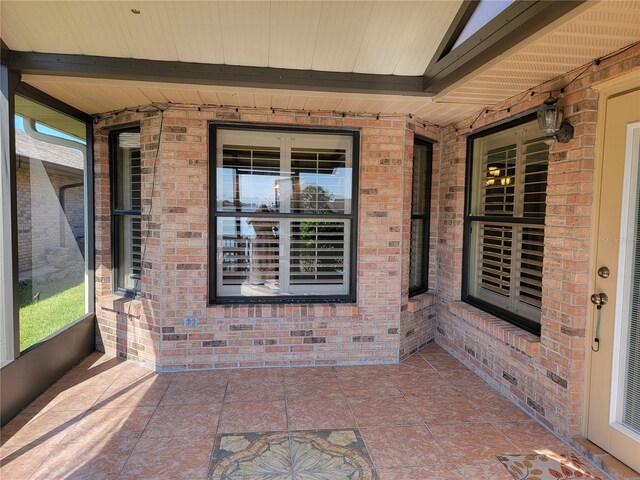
(518, 22)
(209, 74)
(455, 29)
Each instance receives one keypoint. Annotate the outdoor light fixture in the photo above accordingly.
(550, 121)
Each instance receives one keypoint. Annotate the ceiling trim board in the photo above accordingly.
(213, 74)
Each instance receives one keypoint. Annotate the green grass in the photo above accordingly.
(60, 303)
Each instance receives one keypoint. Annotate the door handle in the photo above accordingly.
(599, 299)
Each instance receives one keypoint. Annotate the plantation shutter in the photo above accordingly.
(318, 254)
(283, 204)
(508, 210)
(135, 225)
(319, 180)
(127, 211)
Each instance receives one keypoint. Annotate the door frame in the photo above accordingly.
(606, 90)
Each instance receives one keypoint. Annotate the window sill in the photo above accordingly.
(420, 302)
(121, 304)
(288, 309)
(515, 337)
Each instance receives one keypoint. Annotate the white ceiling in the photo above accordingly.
(380, 37)
(102, 95)
(373, 37)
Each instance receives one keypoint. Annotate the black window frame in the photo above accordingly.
(426, 217)
(469, 219)
(213, 297)
(117, 213)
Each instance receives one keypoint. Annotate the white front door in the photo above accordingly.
(614, 395)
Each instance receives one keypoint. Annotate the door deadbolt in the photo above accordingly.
(604, 272)
(599, 299)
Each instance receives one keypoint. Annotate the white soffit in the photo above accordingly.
(601, 29)
(103, 95)
(381, 37)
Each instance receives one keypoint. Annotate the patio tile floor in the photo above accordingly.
(427, 418)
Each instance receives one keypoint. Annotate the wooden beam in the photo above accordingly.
(212, 74)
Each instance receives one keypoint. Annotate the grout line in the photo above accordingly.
(217, 432)
(145, 427)
(384, 374)
(84, 414)
(286, 413)
(497, 426)
(355, 421)
(421, 419)
(400, 425)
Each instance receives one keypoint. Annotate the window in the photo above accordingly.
(504, 225)
(51, 256)
(126, 209)
(420, 209)
(283, 215)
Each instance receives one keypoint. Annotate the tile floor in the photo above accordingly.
(426, 418)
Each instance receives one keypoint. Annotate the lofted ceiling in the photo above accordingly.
(382, 37)
(360, 37)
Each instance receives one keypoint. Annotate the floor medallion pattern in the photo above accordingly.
(546, 467)
(312, 455)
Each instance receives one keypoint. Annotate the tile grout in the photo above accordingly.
(81, 418)
(385, 373)
(124, 465)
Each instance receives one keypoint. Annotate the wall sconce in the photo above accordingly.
(550, 121)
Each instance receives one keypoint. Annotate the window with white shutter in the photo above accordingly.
(126, 209)
(283, 215)
(504, 224)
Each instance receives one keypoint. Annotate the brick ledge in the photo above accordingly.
(609, 464)
(121, 304)
(421, 301)
(526, 342)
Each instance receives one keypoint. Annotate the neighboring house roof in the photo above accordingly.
(49, 153)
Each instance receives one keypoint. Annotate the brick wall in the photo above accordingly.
(152, 330)
(130, 328)
(418, 314)
(546, 376)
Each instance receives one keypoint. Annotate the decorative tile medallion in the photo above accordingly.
(546, 467)
(312, 455)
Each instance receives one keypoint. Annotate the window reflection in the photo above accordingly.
(50, 162)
